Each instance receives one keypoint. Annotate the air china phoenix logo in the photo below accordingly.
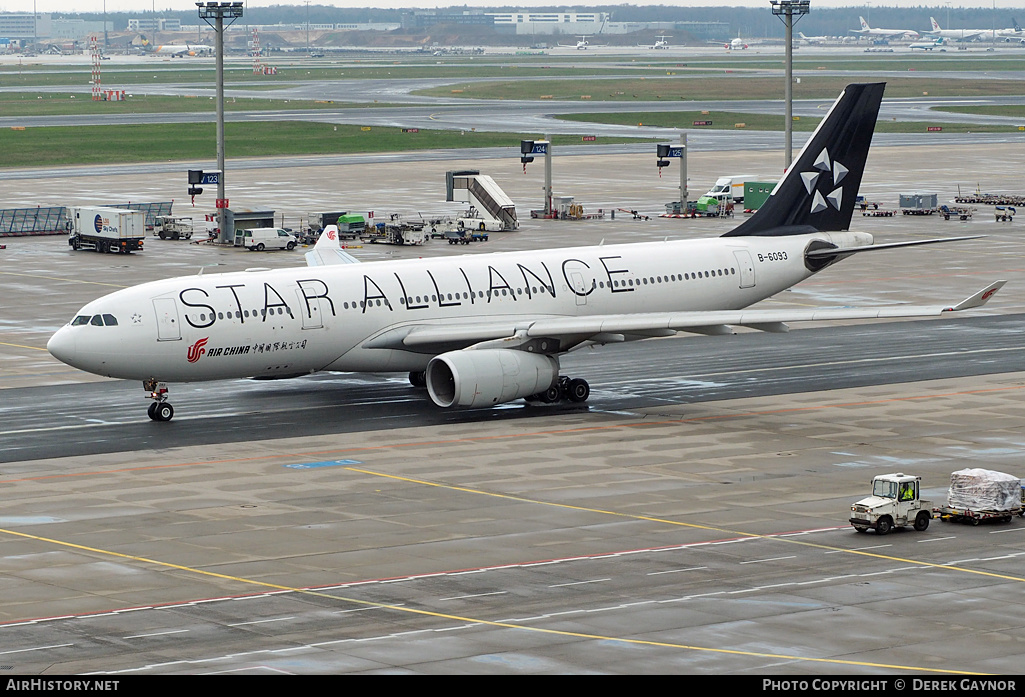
(196, 351)
(331, 235)
(826, 171)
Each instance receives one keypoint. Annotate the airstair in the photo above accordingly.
(490, 208)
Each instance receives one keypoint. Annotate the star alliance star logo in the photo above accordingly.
(811, 179)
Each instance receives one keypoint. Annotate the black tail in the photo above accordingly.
(820, 188)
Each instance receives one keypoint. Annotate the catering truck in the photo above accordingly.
(105, 229)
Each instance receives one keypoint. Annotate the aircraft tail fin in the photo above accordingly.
(935, 24)
(327, 251)
(819, 189)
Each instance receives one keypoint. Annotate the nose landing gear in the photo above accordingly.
(160, 409)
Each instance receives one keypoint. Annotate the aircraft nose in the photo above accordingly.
(62, 346)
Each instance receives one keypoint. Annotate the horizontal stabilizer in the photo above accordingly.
(847, 251)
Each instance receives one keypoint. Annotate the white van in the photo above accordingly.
(262, 238)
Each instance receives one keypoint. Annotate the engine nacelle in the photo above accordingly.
(488, 377)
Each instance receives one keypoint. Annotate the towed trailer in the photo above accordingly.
(950, 514)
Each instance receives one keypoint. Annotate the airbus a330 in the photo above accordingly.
(480, 330)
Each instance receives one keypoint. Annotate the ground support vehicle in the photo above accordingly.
(962, 212)
(992, 199)
(894, 503)
(461, 236)
(104, 229)
(878, 212)
(730, 187)
(965, 515)
(396, 233)
(1004, 214)
(261, 238)
(170, 227)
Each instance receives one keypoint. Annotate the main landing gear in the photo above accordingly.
(565, 389)
(160, 410)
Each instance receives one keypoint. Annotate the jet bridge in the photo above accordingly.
(490, 208)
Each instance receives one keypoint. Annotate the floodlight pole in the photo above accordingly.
(217, 12)
(785, 10)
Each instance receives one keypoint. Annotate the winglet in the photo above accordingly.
(979, 299)
(327, 251)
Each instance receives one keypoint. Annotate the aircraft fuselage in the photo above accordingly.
(279, 323)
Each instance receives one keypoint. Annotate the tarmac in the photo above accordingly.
(681, 538)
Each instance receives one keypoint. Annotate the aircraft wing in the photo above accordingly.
(565, 333)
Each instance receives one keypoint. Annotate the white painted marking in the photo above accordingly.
(170, 631)
(677, 571)
(580, 583)
(938, 539)
(35, 648)
(856, 549)
(276, 619)
(759, 561)
(476, 595)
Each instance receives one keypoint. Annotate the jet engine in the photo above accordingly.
(486, 377)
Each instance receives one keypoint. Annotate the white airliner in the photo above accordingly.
(1014, 32)
(958, 34)
(928, 45)
(870, 31)
(176, 50)
(813, 39)
(480, 330)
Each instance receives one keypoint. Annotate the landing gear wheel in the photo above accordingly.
(578, 390)
(922, 521)
(418, 378)
(161, 411)
(551, 395)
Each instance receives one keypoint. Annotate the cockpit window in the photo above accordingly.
(95, 320)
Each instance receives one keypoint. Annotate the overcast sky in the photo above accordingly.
(149, 5)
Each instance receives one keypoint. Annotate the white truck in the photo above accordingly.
(730, 187)
(104, 229)
(894, 502)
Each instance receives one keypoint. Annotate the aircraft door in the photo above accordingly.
(580, 289)
(168, 326)
(747, 268)
(310, 310)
